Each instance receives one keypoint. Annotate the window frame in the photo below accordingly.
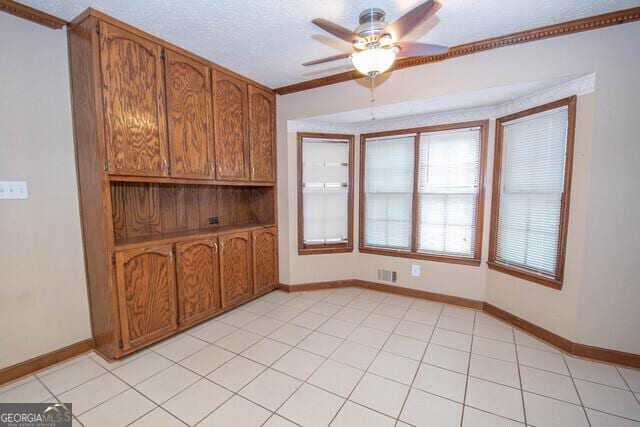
(413, 253)
(523, 273)
(326, 248)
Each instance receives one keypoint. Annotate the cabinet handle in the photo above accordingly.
(221, 246)
(215, 248)
(212, 168)
(164, 164)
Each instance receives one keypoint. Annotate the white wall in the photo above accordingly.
(43, 298)
(598, 304)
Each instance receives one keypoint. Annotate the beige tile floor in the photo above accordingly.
(343, 357)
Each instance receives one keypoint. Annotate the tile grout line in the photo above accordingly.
(201, 377)
(524, 408)
(378, 303)
(628, 385)
(433, 329)
(575, 387)
(466, 384)
(365, 371)
(133, 387)
(327, 358)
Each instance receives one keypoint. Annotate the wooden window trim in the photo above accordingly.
(333, 248)
(413, 252)
(556, 281)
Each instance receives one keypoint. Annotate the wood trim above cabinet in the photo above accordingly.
(531, 35)
(91, 12)
(30, 14)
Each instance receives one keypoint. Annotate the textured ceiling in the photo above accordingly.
(267, 40)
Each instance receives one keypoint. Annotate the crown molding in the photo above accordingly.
(578, 86)
(540, 33)
(31, 14)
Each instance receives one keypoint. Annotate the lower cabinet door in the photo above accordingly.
(197, 275)
(146, 294)
(235, 268)
(265, 259)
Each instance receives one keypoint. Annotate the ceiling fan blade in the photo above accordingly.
(403, 25)
(327, 59)
(420, 49)
(337, 30)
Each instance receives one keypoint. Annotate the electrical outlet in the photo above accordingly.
(415, 270)
(214, 220)
(13, 190)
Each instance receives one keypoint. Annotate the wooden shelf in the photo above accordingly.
(187, 235)
(169, 180)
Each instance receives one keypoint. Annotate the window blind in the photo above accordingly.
(325, 175)
(531, 191)
(449, 173)
(388, 191)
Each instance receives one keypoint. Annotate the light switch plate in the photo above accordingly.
(415, 270)
(13, 190)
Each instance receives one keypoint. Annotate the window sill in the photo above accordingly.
(325, 249)
(420, 256)
(526, 275)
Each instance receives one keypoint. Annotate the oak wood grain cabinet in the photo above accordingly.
(189, 117)
(265, 259)
(262, 107)
(198, 282)
(235, 268)
(146, 294)
(165, 146)
(133, 93)
(230, 117)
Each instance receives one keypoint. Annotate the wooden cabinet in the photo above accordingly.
(265, 259)
(230, 117)
(189, 117)
(262, 107)
(133, 96)
(235, 269)
(174, 155)
(198, 283)
(146, 294)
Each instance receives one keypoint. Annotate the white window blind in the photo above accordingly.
(325, 177)
(449, 173)
(531, 191)
(388, 191)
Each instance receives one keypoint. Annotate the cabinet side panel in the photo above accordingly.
(95, 209)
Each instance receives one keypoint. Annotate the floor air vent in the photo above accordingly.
(387, 275)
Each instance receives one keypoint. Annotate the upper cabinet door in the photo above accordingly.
(133, 95)
(265, 260)
(262, 107)
(235, 269)
(230, 113)
(188, 117)
(197, 274)
(146, 294)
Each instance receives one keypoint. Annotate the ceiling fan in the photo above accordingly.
(376, 43)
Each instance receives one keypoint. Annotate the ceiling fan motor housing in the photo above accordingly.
(372, 24)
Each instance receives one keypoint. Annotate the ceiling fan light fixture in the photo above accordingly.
(372, 62)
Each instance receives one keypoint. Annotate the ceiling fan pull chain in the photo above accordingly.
(372, 99)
